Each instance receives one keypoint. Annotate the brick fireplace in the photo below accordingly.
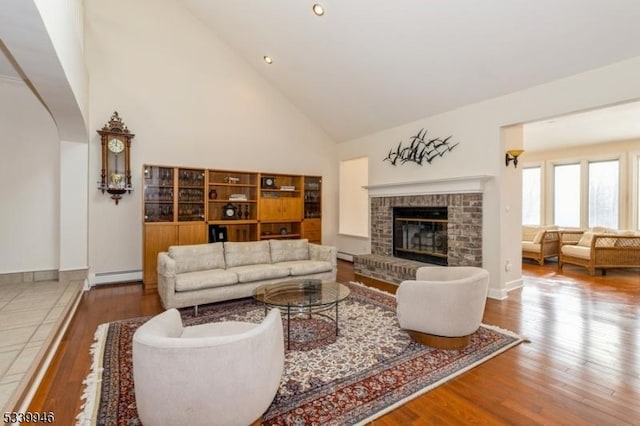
(464, 234)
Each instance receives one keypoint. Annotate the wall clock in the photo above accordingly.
(115, 173)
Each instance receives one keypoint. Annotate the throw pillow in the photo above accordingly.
(537, 239)
(586, 238)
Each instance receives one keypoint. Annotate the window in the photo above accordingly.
(604, 183)
(566, 195)
(531, 201)
(354, 199)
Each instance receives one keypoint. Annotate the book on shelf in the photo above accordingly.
(237, 197)
(287, 188)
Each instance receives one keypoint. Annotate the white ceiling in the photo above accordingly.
(611, 124)
(370, 65)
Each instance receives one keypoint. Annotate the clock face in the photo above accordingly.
(115, 145)
(269, 182)
(229, 211)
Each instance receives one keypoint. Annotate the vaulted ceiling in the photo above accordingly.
(365, 66)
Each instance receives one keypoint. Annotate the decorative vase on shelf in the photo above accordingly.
(213, 194)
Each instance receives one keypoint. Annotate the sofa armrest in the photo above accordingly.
(324, 253)
(166, 265)
(166, 279)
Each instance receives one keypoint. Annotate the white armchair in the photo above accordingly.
(443, 306)
(223, 373)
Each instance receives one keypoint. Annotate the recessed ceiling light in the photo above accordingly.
(318, 9)
(268, 59)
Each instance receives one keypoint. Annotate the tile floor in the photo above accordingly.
(29, 313)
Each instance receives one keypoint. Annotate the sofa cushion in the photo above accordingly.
(197, 257)
(529, 232)
(581, 252)
(284, 250)
(602, 230)
(250, 273)
(306, 267)
(537, 239)
(585, 240)
(531, 247)
(246, 253)
(190, 281)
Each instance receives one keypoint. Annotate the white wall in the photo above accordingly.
(73, 199)
(64, 20)
(481, 150)
(190, 101)
(29, 172)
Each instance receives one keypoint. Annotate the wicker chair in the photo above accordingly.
(600, 250)
(540, 242)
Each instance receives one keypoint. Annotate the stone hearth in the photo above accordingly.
(464, 230)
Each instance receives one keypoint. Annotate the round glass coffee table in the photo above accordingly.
(303, 299)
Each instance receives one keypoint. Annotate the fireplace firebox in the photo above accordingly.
(420, 233)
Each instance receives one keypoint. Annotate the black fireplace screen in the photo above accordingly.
(420, 233)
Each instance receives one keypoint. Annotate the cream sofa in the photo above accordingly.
(192, 275)
(600, 248)
(540, 242)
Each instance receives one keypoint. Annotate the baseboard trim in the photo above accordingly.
(515, 284)
(497, 294)
(503, 293)
(114, 277)
(345, 256)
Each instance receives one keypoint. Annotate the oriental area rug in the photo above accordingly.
(371, 368)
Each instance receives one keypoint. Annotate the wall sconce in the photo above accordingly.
(512, 155)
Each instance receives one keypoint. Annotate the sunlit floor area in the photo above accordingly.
(30, 314)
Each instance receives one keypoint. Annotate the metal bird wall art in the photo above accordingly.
(420, 150)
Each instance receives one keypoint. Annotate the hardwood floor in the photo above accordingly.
(582, 365)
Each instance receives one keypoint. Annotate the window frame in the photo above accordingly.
(628, 175)
(552, 190)
(541, 207)
(588, 183)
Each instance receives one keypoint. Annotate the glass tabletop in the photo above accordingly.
(301, 293)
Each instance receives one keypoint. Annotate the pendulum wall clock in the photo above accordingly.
(115, 174)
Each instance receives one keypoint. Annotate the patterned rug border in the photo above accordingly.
(519, 339)
(91, 394)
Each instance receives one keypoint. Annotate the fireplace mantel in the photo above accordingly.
(454, 185)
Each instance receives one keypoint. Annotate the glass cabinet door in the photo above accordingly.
(190, 195)
(158, 194)
(312, 197)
